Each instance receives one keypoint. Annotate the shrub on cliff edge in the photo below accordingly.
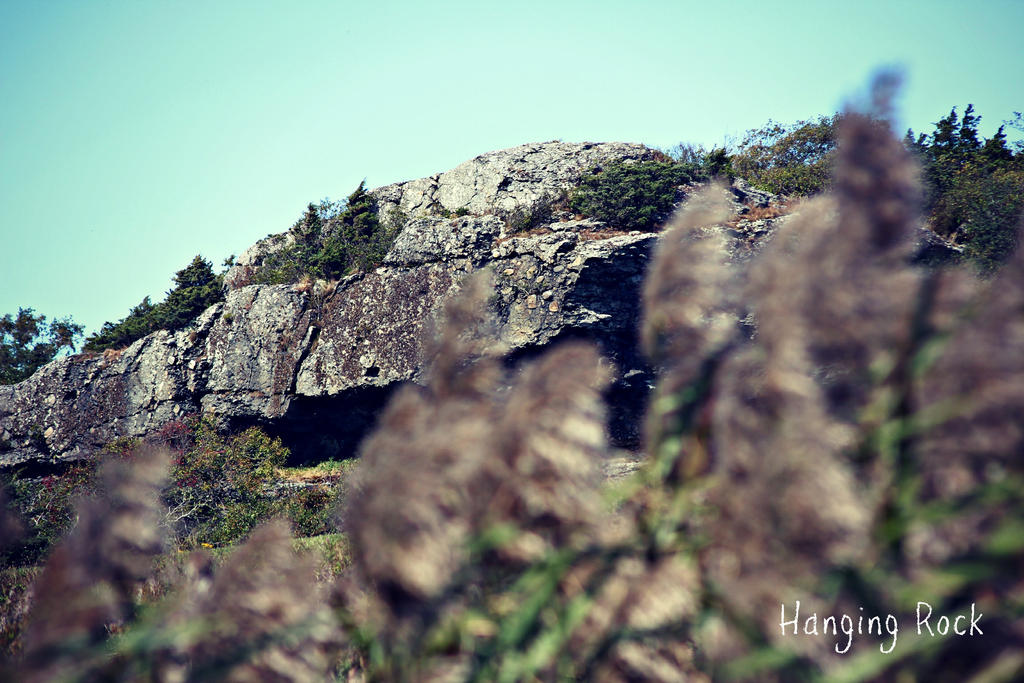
(632, 196)
(331, 244)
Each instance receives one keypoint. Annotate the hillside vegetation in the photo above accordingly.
(973, 187)
(218, 489)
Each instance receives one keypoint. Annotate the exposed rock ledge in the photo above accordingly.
(315, 366)
(264, 354)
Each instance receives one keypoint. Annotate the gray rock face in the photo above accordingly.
(74, 405)
(431, 239)
(314, 364)
(749, 196)
(508, 180)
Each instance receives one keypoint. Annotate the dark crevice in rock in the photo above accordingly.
(37, 469)
(626, 398)
(595, 284)
(312, 337)
(319, 428)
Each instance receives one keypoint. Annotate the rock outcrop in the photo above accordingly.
(314, 363)
(507, 181)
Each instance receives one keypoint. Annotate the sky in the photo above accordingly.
(135, 135)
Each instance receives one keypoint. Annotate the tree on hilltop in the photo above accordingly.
(27, 343)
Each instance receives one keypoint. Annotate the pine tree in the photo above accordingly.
(197, 287)
(968, 138)
(947, 134)
(995, 149)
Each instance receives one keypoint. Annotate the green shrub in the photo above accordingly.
(312, 506)
(457, 213)
(713, 163)
(973, 187)
(718, 164)
(219, 487)
(222, 487)
(794, 160)
(311, 510)
(358, 240)
(331, 242)
(15, 600)
(46, 504)
(636, 196)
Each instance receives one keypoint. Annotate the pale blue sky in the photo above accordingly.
(134, 135)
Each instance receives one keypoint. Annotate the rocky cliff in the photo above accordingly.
(314, 362)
